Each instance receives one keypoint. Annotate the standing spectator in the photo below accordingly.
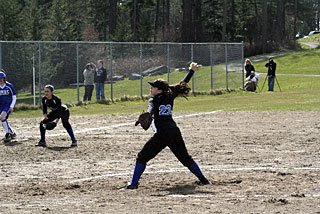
(100, 78)
(88, 74)
(271, 65)
(248, 66)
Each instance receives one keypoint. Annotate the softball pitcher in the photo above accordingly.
(166, 130)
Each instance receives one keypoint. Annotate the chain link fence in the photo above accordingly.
(31, 65)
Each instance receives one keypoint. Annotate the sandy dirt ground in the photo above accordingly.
(257, 162)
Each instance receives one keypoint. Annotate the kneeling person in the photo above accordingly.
(58, 110)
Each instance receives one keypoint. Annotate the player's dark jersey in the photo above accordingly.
(54, 104)
(6, 94)
(161, 107)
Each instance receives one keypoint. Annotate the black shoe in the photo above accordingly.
(41, 143)
(202, 181)
(13, 136)
(7, 138)
(129, 186)
(74, 143)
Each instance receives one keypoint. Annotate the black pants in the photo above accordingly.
(171, 138)
(88, 89)
(53, 115)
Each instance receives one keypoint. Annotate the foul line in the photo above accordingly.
(125, 173)
(128, 124)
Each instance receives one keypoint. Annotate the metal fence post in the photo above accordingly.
(34, 80)
(242, 60)
(168, 62)
(211, 68)
(0, 54)
(39, 61)
(111, 71)
(193, 82)
(141, 94)
(78, 87)
(226, 55)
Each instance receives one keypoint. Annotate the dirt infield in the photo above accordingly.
(258, 162)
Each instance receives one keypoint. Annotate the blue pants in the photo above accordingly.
(100, 91)
(271, 83)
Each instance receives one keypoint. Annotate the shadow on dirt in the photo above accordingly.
(58, 148)
(186, 190)
(12, 143)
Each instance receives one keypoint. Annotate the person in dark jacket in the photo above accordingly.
(271, 65)
(100, 78)
(248, 66)
(166, 131)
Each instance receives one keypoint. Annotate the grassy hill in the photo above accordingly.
(299, 92)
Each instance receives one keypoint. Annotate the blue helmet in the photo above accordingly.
(2, 74)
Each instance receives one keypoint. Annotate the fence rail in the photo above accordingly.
(130, 65)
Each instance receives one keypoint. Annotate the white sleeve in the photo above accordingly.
(14, 100)
(150, 106)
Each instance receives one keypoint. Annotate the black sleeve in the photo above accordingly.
(267, 65)
(188, 77)
(104, 74)
(253, 68)
(44, 106)
(274, 69)
(58, 105)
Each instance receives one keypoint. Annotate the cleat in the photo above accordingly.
(202, 181)
(74, 143)
(129, 186)
(41, 144)
(7, 138)
(13, 136)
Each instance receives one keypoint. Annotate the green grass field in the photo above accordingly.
(298, 92)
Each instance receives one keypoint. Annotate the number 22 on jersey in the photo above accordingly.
(165, 110)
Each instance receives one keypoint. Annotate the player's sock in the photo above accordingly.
(195, 169)
(42, 135)
(6, 126)
(71, 134)
(138, 170)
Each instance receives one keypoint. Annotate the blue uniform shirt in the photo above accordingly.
(6, 96)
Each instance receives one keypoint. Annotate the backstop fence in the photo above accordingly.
(32, 64)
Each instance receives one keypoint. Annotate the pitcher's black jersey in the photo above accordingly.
(161, 106)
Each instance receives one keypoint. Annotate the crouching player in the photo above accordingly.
(7, 102)
(58, 110)
(166, 130)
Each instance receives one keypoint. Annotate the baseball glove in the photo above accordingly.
(145, 120)
(50, 125)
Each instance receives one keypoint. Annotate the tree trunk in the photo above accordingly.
(280, 24)
(134, 18)
(198, 30)
(113, 14)
(187, 21)
(224, 24)
(264, 25)
(163, 19)
(318, 15)
(295, 18)
(156, 22)
(167, 15)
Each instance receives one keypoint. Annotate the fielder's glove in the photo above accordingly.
(50, 125)
(145, 120)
